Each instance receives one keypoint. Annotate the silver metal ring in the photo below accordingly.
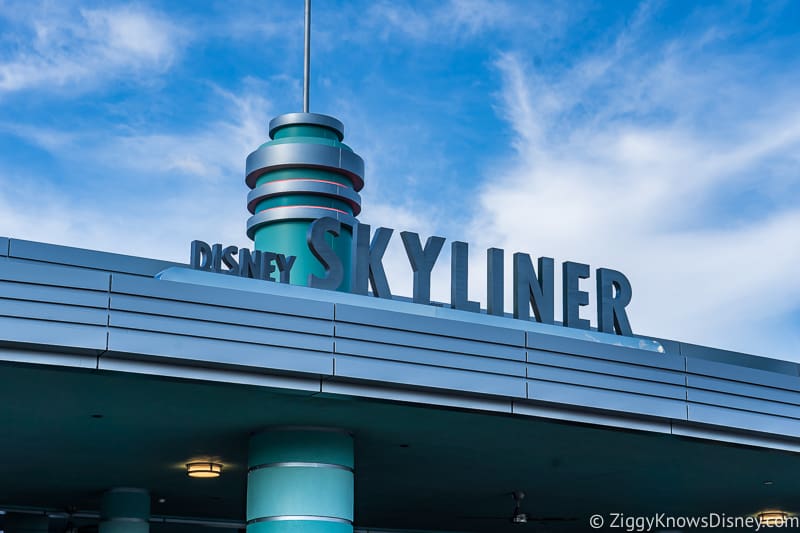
(305, 155)
(330, 189)
(313, 518)
(296, 212)
(299, 464)
(306, 119)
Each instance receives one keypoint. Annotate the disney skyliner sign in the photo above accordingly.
(534, 288)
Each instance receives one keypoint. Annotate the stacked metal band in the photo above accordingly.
(305, 172)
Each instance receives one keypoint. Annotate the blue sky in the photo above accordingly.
(658, 138)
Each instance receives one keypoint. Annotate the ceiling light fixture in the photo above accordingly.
(772, 518)
(204, 469)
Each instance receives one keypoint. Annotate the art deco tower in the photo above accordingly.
(303, 173)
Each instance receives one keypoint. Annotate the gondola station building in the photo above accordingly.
(285, 389)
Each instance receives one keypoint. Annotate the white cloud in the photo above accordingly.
(450, 20)
(57, 47)
(162, 189)
(624, 161)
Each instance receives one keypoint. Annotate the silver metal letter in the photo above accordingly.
(267, 266)
(228, 258)
(200, 256)
(459, 278)
(285, 265)
(613, 294)
(573, 297)
(530, 290)
(249, 263)
(316, 237)
(368, 261)
(494, 281)
(422, 261)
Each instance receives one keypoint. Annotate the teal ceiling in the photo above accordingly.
(416, 467)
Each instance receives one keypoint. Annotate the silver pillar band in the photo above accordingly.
(325, 188)
(305, 155)
(296, 212)
(312, 518)
(300, 464)
(306, 119)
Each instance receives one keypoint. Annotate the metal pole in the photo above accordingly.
(307, 57)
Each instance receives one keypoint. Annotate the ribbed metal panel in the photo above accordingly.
(203, 325)
(750, 399)
(589, 374)
(427, 351)
(49, 305)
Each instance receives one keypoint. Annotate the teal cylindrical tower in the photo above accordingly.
(305, 172)
(300, 480)
(125, 510)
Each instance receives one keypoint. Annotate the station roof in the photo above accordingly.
(110, 377)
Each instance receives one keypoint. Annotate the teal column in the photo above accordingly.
(125, 510)
(26, 523)
(300, 480)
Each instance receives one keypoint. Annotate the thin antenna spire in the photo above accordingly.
(307, 57)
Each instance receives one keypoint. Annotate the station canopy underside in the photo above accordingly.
(70, 434)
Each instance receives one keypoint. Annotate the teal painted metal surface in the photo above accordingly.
(288, 234)
(299, 526)
(306, 130)
(299, 491)
(296, 173)
(305, 199)
(300, 480)
(125, 510)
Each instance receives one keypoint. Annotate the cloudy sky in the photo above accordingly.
(661, 139)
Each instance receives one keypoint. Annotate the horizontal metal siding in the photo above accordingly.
(428, 376)
(215, 296)
(427, 351)
(597, 398)
(86, 259)
(589, 374)
(50, 305)
(745, 362)
(749, 399)
(219, 326)
(429, 324)
(425, 356)
(604, 350)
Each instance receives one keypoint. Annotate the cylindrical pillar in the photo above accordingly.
(125, 510)
(26, 523)
(300, 480)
